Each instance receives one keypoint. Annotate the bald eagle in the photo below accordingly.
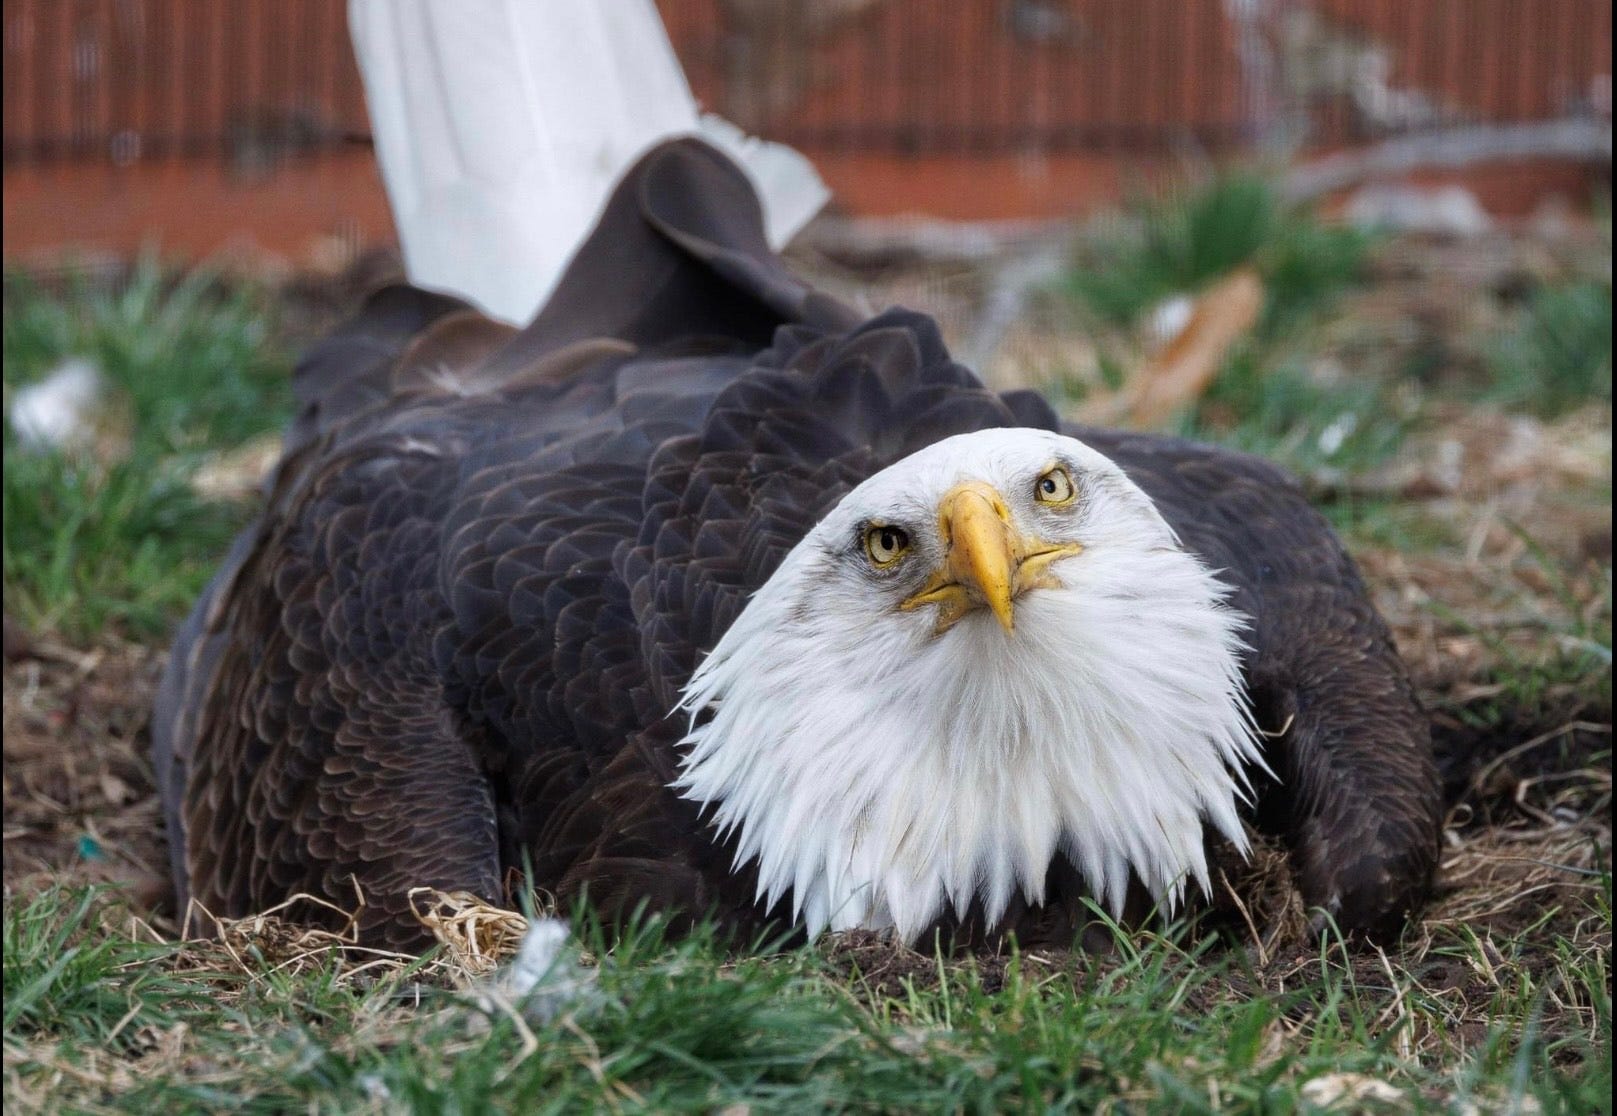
(708, 594)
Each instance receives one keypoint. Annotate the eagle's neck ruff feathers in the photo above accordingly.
(884, 775)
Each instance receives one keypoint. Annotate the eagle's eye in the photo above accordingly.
(1055, 487)
(886, 544)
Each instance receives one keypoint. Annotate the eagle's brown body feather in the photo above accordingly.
(490, 560)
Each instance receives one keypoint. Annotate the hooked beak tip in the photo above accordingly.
(982, 550)
(1005, 613)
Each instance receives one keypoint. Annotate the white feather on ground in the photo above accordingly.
(543, 979)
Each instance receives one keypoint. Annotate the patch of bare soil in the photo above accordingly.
(1506, 626)
(80, 802)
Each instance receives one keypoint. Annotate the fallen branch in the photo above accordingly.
(1181, 373)
(1579, 138)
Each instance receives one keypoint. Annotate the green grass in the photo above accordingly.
(1287, 391)
(91, 548)
(1183, 242)
(1559, 355)
(1163, 1024)
(1274, 408)
(1564, 670)
(1265, 399)
(65, 979)
(1387, 523)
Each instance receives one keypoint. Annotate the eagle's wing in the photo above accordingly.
(1357, 798)
(347, 374)
(487, 561)
(305, 732)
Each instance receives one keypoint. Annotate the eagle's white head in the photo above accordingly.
(989, 653)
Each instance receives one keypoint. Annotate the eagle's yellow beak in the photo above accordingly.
(987, 561)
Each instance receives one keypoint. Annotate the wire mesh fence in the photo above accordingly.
(256, 81)
(128, 80)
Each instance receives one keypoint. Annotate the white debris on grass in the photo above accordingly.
(1169, 318)
(1351, 1090)
(62, 411)
(376, 1090)
(1443, 210)
(1336, 434)
(237, 474)
(543, 980)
